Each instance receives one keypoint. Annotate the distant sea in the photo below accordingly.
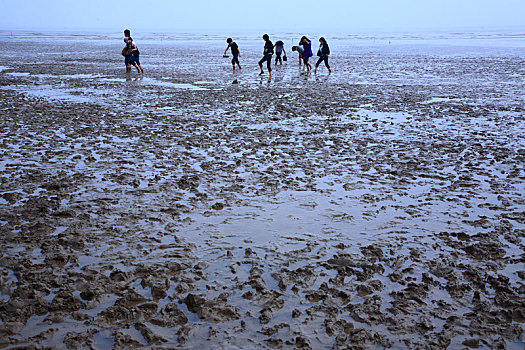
(499, 37)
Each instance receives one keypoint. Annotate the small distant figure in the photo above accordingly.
(279, 50)
(236, 53)
(300, 50)
(134, 56)
(323, 53)
(268, 52)
(307, 46)
(126, 52)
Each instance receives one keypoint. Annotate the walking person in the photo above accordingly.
(127, 53)
(268, 52)
(134, 56)
(323, 53)
(307, 46)
(131, 53)
(279, 49)
(300, 50)
(236, 53)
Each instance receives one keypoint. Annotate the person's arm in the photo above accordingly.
(239, 51)
(284, 51)
(226, 49)
(133, 47)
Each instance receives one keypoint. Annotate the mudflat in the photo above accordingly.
(380, 206)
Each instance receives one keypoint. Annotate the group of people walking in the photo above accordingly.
(304, 48)
(131, 53)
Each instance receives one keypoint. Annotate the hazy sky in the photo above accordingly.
(267, 15)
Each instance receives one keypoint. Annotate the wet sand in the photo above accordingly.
(381, 206)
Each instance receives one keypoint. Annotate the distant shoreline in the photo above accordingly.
(509, 36)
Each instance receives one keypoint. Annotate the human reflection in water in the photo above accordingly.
(129, 78)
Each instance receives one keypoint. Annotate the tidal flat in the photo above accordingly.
(380, 206)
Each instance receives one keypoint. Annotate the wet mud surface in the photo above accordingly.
(381, 206)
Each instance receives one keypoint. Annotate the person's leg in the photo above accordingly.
(318, 63)
(269, 63)
(128, 64)
(134, 63)
(326, 64)
(236, 61)
(261, 63)
(139, 66)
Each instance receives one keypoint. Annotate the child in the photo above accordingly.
(323, 53)
(279, 48)
(268, 52)
(307, 46)
(127, 34)
(235, 52)
(300, 50)
(134, 57)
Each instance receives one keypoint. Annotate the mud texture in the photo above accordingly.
(381, 206)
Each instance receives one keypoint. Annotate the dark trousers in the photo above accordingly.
(321, 59)
(268, 58)
(278, 58)
(235, 59)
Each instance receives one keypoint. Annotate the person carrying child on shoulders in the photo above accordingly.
(134, 56)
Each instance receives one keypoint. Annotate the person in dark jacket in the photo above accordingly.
(235, 52)
(323, 53)
(268, 52)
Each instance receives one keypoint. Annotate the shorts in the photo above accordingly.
(127, 60)
(134, 60)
